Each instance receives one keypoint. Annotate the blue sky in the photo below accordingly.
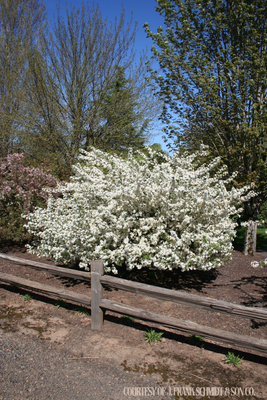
(143, 11)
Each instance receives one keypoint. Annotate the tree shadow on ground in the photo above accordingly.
(175, 279)
(9, 245)
(258, 297)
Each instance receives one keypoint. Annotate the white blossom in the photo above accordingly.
(255, 264)
(140, 213)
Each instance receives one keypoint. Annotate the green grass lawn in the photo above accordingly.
(261, 238)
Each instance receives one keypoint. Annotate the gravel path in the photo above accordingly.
(37, 370)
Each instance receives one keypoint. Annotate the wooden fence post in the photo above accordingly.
(97, 316)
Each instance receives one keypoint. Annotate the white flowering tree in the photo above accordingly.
(176, 213)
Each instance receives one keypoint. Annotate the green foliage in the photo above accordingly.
(261, 237)
(127, 319)
(232, 359)
(83, 311)
(123, 124)
(26, 297)
(60, 303)
(214, 58)
(152, 336)
(263, 214)
(195, 340)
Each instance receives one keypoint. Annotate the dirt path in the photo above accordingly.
(36, 370)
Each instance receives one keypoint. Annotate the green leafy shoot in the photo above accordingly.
(196, 340)
(26, 297)
(60, 303)
(127, 319)
(82, 310)
(152, 336)
(232, 359)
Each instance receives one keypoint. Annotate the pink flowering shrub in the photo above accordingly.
(21, 190)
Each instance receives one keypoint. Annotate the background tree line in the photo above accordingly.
(213, 82)
(70, 85)
(76, 84)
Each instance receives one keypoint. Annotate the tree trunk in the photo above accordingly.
(251, 209)
(251, 238)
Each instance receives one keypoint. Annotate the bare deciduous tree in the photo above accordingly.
(21, 22)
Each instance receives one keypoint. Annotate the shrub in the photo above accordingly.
(20, 191)
(129, 213)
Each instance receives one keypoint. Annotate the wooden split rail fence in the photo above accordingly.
(98, 304)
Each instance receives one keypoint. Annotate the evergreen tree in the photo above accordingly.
(122, 124)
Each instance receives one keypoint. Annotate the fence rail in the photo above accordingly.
(98, 304)
(47, 290)
(61, 271)
(183, 297)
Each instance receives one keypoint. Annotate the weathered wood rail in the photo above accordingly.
(98, 304)
(61, 271)
(46, 290)
(183, 297)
